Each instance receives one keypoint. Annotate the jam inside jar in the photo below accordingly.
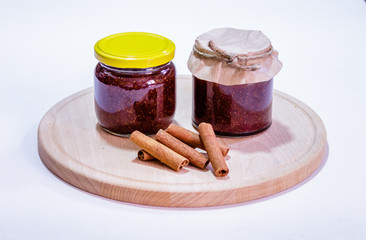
(134, 99)
(235, 110)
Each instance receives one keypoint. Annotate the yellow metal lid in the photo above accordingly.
(134, 50)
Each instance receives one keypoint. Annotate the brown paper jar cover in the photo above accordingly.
(233, 71)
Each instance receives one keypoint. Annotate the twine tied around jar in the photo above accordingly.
(234, 60)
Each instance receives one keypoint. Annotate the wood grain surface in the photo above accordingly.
(75, 148)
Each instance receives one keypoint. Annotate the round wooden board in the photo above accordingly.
(73, 146)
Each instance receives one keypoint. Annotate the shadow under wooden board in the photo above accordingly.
(73, 146)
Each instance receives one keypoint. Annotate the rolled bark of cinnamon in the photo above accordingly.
(159, 151)
(144, 156)
(210, 143)
(196, 158)
(192, 138)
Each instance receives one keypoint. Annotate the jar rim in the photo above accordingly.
(134, 50)
(149, 70)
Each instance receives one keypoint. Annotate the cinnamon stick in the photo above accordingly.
(192, 138)
(211, 145)
(159, 151)
(143, 155)
(196, 158)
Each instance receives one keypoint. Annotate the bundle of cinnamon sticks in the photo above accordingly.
(175, 147)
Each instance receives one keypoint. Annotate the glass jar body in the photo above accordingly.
(134, 99)
(235, 110)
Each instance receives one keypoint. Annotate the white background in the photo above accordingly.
(46, 54)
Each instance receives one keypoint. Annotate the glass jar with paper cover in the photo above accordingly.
(233, 72)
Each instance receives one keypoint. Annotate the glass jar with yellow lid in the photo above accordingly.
(134, 83)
